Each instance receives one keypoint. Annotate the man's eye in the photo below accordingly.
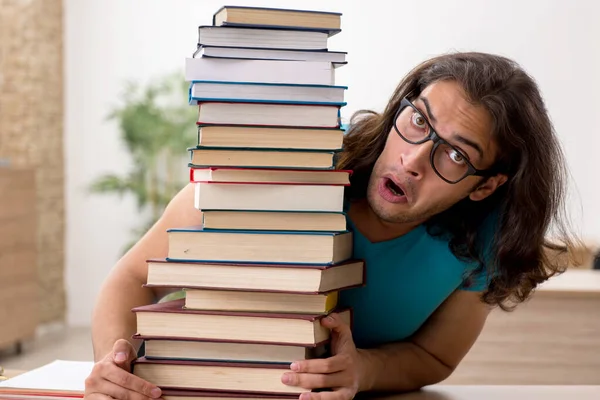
(456, 157)
(418, 120)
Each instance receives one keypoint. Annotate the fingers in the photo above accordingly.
(317, 381)
(338, 394)
(334, 321)
(123, 354)
(109, 390)
(111, 378)
(328, 365)
(129, 381)
(338, 326)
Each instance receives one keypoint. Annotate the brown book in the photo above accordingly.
(215, 376)
(264, 137)
(170, 320)
(171, 394)
(196, 244)
(211, 350)
(327, 21)
(285, 278)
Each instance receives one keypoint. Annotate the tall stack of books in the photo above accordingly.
(273, 251)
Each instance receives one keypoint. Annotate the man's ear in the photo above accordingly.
(488, 187)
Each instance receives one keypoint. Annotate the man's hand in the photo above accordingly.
(111, 379)
(344, 372)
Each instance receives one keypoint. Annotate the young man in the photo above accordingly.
(454, 187)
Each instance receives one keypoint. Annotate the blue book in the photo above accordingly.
(263, 92)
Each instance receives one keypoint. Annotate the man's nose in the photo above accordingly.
(415, 159)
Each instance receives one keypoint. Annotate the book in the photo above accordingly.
(57, 379)
(262, 37)
(274, 220)
(273, 251)
(195, 244)
(263, 137)
(271, 114)
(170, 394)
(215, 376)
(246, 92)
(268, 197)
(259, 71)
(273, 277)
(242, 157)
(207, 350)
(170, 320)
(338, 58)
(326, 21)
(269, 175)
(249, 301)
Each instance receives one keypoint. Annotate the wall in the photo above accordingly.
(111, 41)
(31, 128)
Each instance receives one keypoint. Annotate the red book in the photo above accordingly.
(270, 175)
(172, 394)
(171, 320)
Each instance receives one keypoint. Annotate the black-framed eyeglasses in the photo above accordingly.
(448, 162)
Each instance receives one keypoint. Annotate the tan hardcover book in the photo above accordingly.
(264, 137)
(270, 175)
(172, 320)
(170, 394)
(279, 158)
(274, 220)
(278, 17)
(197, 244)
(210, 350)
(241, 300)
(291, 278)
(215, 376)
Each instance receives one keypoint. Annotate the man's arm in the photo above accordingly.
(112, 317)
(433, 353)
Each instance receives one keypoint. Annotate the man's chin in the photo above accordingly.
(392, 213)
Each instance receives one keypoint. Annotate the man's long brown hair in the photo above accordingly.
(529, 154)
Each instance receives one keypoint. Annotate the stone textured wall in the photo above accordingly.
(31, 127)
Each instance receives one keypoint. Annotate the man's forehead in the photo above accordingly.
(448, 103)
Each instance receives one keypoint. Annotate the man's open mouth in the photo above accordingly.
(395, 189)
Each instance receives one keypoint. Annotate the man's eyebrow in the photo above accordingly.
(456, 136)
(428, 107)
(468, 142)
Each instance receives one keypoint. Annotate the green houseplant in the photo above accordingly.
(157, 125)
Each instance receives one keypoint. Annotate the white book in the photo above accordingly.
(336, 57)
(260, 92)
(270, 197)
(54, 380)
(259, 71)
(292, 39)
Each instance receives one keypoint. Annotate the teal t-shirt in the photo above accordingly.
(407, 278)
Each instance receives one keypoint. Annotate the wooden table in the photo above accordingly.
(459, 392)
(553, 339)
(11, 373)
